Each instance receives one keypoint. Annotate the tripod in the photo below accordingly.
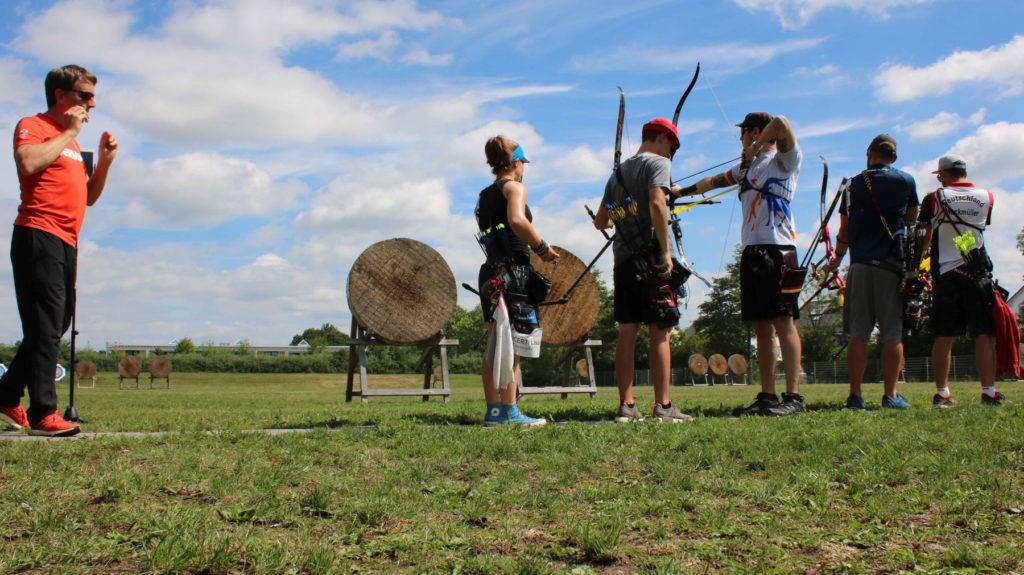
(71, 413)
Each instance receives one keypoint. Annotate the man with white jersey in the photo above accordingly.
(767, 176)
(956, 215)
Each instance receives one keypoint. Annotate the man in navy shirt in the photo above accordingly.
(873, 214)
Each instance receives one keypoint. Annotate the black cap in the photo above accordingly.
(883, 144)
(756, 120)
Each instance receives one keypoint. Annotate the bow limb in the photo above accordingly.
(823, 222)
(618, 130)
(679, 106)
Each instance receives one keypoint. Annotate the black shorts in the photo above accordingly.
(761, 282)
(632, 299)
(958, 305)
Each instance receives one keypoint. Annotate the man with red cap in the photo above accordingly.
(634, 202)
(767, 176)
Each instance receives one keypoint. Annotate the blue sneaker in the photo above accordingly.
(512, 415)
(855, 402)
(493, 415)
(897, 402)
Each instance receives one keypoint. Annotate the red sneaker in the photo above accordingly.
(53, 425)
(15, 417)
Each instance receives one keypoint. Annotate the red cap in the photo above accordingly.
(665, 127)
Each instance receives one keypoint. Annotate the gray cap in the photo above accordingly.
(951, 162)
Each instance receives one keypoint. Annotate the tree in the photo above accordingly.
(318, 337)
(605, 329)
(720, 322)
(469, 328)
(184, 345)
(821, 327)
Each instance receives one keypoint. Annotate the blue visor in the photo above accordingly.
(518, 154)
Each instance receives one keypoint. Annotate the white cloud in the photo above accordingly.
(161, 81)
(798, 13)
(828, 76)
(141, 293)
(737, 56)
(196, 189)
(1001, 66)
(17, 88)
(833, 126)
(381, 48)
(941, 124)
(583, 163)
(425, 58)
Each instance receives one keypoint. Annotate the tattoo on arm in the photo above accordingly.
(719, 181)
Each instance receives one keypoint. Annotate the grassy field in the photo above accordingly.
(397, 485)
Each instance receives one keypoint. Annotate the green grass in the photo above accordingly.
(424, 489)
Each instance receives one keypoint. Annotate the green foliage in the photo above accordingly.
(821, 328)
(184, 345)
(469, 328)
(325, 335)
(606, 329)
(720, 322)
(685, 346)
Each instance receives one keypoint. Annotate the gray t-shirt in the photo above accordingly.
(629, 209)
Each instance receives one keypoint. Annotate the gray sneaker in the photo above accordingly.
(670, 414)
(626, 414)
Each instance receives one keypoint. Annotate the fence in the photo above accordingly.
(962, 368)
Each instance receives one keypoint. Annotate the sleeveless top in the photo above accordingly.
(492, 213)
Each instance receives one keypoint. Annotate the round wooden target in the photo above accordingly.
(402, 291)
(128, 367)
(719, 365)
(738, 364)
(160, 366)
(581, 367)
(698, 365)
(567, 323)
(85, 369)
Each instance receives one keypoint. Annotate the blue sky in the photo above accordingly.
(265, 144)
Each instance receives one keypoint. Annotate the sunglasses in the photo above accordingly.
(84, 96)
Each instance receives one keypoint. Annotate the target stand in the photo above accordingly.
(357, 361)
(128, 369)
(85, 370)
(719, 368)
(567, 324)
(577, 377)
(400, 292)
(160, 368)
(698, 365)
(738, 369)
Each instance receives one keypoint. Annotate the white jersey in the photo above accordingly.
(952, 211)
(767, 217)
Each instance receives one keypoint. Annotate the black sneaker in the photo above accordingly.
(996, 399)
(939, 400)
(792, 404)
(762, 403)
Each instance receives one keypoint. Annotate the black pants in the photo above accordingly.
(44, 284)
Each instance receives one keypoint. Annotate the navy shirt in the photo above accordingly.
(895, 191)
